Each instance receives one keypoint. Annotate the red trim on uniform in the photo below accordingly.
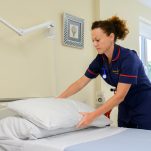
(129, 76)
(118, 55)
(92, 72)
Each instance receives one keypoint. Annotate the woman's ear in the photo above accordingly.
(112, 36)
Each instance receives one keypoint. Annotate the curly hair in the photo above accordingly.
(112, 25)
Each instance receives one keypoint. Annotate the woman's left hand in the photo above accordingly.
(88, 118)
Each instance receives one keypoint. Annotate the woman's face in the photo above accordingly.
(101, 41)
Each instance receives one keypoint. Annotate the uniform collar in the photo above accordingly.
(116, 53)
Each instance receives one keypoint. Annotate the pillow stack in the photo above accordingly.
(43, 117)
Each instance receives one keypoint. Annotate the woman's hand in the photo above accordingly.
(88, 117)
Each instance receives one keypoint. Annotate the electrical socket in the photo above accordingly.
(100, 98)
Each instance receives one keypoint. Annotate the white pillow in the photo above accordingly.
(52, 113)
(5, 112)
(15, 127)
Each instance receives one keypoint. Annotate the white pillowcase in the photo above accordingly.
(15, 127)
(52, 113)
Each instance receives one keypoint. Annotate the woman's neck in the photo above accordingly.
(109, 53)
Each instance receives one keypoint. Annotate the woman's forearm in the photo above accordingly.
(110, 104)
(75, 87)
(72, 89)
(116, 99)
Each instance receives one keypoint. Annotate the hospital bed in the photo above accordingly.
(107, 138)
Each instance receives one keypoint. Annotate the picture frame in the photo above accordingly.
(73, 31)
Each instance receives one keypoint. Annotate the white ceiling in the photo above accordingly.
(146, 2)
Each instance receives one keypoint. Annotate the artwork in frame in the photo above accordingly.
(73, 31)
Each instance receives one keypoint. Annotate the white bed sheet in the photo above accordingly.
(59, 142)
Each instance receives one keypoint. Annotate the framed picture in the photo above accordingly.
(73, 31)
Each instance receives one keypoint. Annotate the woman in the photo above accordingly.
(121, 68)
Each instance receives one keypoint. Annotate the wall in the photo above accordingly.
(37, 66)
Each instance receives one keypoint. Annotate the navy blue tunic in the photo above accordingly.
(126, 67)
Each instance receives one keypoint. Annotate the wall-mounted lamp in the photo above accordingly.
(49, 25)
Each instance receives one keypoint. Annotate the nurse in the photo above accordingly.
(119, 67)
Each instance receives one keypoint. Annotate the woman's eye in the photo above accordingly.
(95, 40)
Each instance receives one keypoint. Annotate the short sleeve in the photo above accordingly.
(94, 68)
(129, 68)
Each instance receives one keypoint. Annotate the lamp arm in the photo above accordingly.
(22, 32)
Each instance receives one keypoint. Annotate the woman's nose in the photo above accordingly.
(95, 44)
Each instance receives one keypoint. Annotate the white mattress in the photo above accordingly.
(59, 142)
